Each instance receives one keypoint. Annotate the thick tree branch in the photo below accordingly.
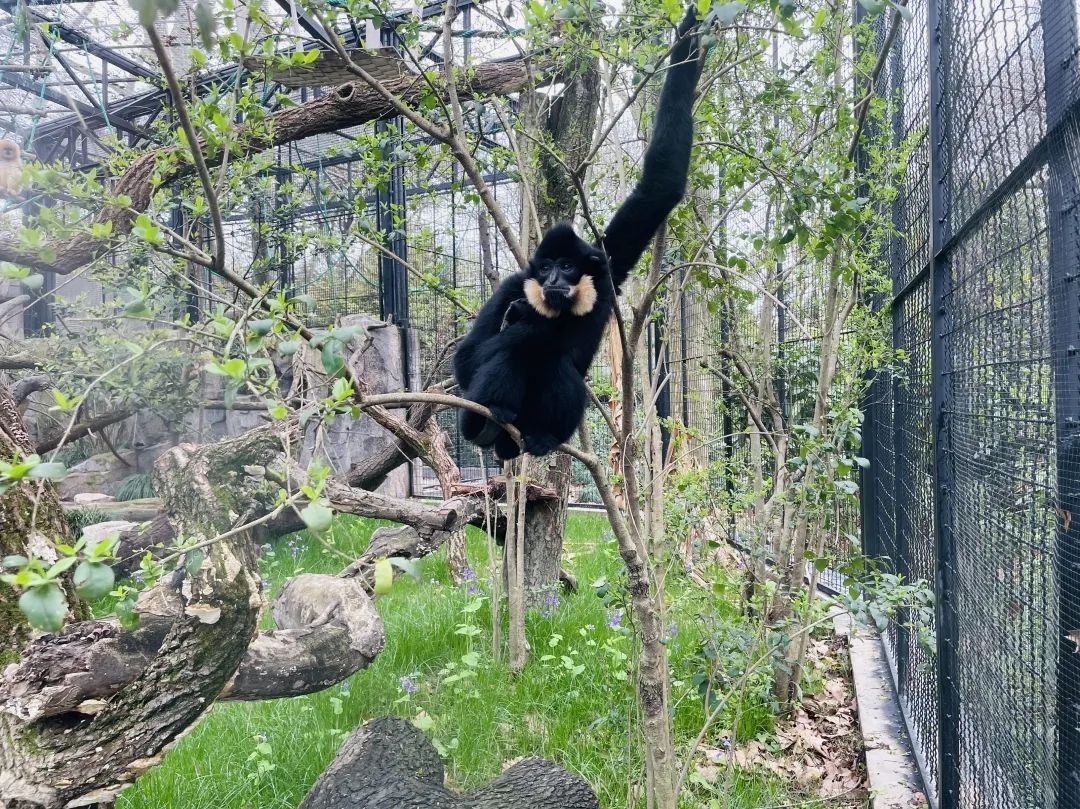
(28, 385)
(84, 428)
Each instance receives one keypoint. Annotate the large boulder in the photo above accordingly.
(99, 473)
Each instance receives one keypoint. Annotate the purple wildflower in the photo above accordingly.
(262, 738)
(345, 687)
(673, 630)
(551, 600)
(469, 574)
(407, 685)
(471, 588)
(615, 621)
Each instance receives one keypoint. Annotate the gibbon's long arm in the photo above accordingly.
(666, 161)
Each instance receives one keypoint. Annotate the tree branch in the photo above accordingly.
(346, 106)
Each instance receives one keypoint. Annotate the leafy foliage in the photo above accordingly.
(136, 486)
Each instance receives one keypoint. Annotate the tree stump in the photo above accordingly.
(389, 764)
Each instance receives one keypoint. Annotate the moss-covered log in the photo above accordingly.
(389, 764)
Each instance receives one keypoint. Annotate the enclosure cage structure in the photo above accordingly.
(972, 444)
(67, 94)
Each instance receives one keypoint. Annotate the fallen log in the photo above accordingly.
(390, 764)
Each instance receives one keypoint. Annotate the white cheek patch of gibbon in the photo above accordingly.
(534, 294)
(583, 293)
(584, 296)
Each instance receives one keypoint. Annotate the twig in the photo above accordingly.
(203, 171)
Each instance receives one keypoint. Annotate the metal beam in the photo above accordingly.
(20, 82)
(73, 36)
(305, 20)
(10, 5)
(152, 101)
(1061, 39)
(949, 786)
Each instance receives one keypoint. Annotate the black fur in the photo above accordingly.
(528, 366)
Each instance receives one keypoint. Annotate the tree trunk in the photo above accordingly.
(389, 764)
(570, 124)
(30, 516)
(78, 761)
(545, 526)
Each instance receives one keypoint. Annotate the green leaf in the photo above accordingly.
(14, 561)
(261, 328)
(93, 580)
(332, 358)
(727, 12)
(204, 19)
(47, 471)
(233, 368)
(60, 566)
(874, 6)
(904, 11)
(147, 11)
(406, 566)
(193, 560)
(34, 282)
(44, 607)
(317, 517)
(384, 577)
(287, 348)
(137, 308)
(472, 659)
(125, 611)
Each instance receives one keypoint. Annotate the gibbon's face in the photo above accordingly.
(561, 276)
(9, 151)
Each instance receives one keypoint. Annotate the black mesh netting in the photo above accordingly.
(976, 441)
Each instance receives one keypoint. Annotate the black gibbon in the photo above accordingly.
(527, 354)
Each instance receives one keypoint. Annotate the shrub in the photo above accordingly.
(78, 518)
(135, 487)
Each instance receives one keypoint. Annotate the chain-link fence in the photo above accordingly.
(972, 471)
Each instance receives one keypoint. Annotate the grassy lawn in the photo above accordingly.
(573, 703)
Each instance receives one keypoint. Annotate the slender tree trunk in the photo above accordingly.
(545, 526)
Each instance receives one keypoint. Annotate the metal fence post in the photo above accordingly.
(948, 788)
(869, 479)
(1059, 56)
(390, 212)
(898, 550)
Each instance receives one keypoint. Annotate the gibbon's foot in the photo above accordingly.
(487, 435)
(503, 415)
(491, 430)
(540, 444)
(506, 449)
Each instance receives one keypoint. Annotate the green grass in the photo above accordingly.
(572, 704)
